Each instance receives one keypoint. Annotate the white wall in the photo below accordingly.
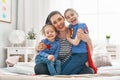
(31, 14)
(5, 29)
(101, 16)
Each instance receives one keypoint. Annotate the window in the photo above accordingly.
(101, 16)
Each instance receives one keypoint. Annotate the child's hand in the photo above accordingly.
(51, 58)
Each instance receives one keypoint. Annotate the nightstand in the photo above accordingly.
(25, 53)
(113, 51)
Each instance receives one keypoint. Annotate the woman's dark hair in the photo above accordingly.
(48, 21)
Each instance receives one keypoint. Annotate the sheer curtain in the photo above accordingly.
(20, 14)
(31, 14)
(101, 16)
(25, 15)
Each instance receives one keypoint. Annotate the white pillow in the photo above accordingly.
(12, 60)
(24, 68)
(100, 56)
(102, 60)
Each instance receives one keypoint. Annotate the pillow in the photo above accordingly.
(12, 60)
(100, 56)
(23, 68)
(102, 60)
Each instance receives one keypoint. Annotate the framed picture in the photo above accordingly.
(5, 10)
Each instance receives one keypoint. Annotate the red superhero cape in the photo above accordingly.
(90, 61)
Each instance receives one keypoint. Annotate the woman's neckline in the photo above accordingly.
(62, 34)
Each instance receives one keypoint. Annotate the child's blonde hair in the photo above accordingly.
(70, 9)
(46, 25)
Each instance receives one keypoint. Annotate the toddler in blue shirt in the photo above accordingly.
(49, 56)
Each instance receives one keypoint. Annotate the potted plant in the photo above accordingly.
(107, 38)
(31, 39)
(31, 35)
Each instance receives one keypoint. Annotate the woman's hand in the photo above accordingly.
(80, 34)
(41, 46)
(51, 58)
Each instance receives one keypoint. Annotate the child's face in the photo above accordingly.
(71, 17)
(50, 33)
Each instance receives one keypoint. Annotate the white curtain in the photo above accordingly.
(32, 12)
(101, 16)
(32, 15)
(20, 14)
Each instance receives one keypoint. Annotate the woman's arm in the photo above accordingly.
(85, 37)
(41, 46)
(89, 42)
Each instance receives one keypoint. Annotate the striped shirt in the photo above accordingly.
(65, 50)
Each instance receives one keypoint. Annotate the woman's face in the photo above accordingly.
(58, 22)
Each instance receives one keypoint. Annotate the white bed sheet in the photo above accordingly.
(26, 71)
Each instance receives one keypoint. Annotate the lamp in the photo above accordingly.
(17, 37)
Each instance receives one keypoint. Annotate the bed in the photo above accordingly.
(107, 69)
(25, 71)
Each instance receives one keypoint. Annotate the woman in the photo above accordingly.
(57, 20)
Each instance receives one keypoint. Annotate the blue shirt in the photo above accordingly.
(81, 47)
(52, 50)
